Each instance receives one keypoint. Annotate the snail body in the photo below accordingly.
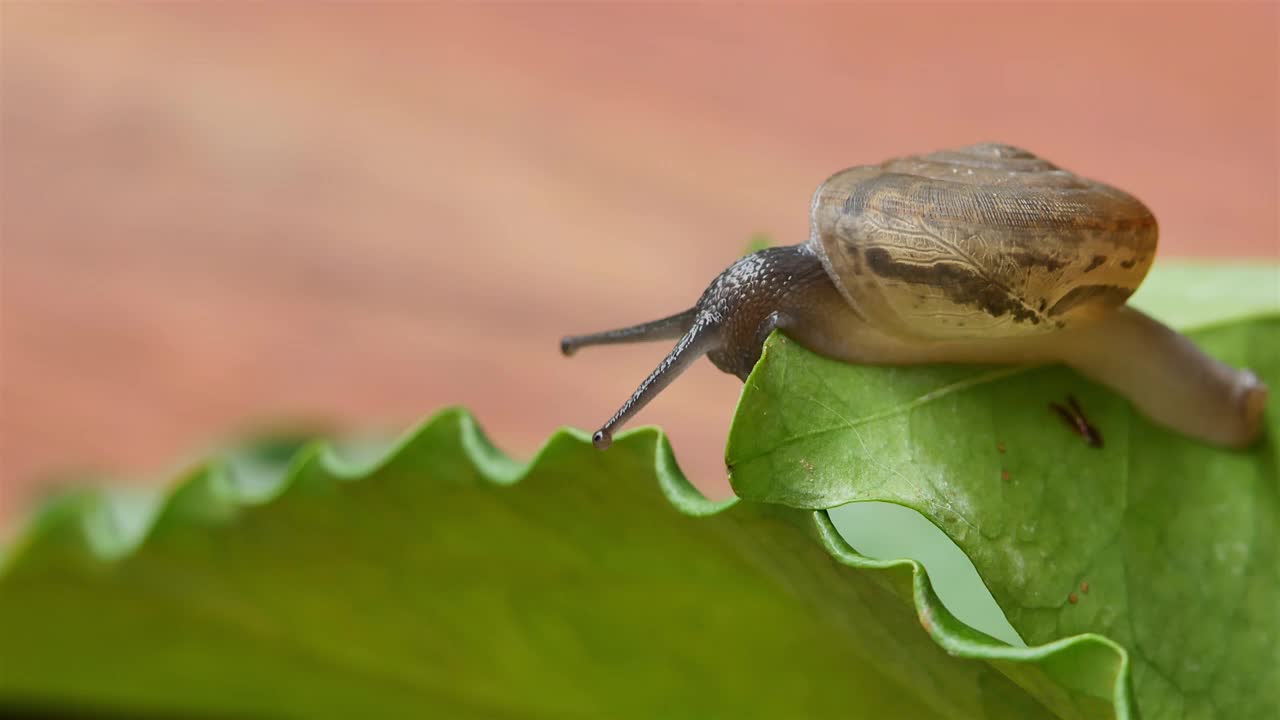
(984, 254)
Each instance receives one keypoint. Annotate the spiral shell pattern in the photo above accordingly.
(986, 240)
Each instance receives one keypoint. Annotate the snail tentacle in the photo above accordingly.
(667, 328)
(701, 337)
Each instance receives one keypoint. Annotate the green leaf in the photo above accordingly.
(444, 579)
(1195, 295)
(1177, 542)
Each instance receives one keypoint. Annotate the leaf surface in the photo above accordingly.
(1163, 544)
(445, 578)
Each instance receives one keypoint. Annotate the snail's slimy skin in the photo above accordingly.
(982, 255)
(1167, 377)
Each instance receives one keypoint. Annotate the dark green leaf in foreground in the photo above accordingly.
(446, 580)
(1165, 545)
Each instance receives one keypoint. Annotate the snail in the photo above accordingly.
(984, 254)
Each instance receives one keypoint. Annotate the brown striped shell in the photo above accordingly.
(987, 240)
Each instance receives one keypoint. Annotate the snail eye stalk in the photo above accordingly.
(668, 328)
(701, 338)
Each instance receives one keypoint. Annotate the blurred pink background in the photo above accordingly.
(219, 215)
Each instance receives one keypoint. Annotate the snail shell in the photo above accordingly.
(984, 241)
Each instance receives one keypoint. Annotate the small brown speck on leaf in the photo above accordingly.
(1000, 447)
(1004, 475)
(1073, 598)
(1084, 588)
(1074, 417)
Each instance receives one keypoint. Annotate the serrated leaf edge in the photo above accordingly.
(95, 517)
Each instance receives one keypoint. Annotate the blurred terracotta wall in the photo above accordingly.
(219, 214)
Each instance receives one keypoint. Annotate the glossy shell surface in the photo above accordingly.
(986, 240)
